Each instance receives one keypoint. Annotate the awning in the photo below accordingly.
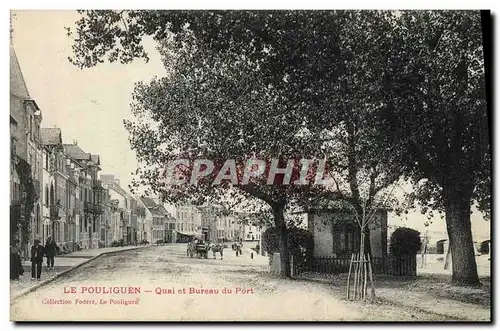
(188, 233)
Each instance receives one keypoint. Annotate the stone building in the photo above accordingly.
(337, 235)
(26, 159)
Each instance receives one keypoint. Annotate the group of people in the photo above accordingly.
(38, 252)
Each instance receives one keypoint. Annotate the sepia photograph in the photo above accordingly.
(250, 165)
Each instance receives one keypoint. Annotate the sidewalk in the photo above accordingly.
(62, 263)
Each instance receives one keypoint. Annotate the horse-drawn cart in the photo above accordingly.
(199, 249)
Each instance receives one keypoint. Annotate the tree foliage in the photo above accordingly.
(438, 108)
(378, 93)
(21, 224)
(405, 241)
(300, 241)
(443, 120)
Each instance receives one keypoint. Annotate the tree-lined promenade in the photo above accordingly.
(383, 96)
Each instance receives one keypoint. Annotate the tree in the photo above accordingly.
(405, 241)
(267, 59)
(438, 108)
(349, 126)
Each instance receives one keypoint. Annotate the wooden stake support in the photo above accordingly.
(361, 270)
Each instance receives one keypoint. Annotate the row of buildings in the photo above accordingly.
(57, 190)
(55, 186)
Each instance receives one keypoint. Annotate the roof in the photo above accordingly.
(76, 152)
(155, 212)
(51, 136)
(96, 159)
(149, 203)
(18, 86)
(155, 208)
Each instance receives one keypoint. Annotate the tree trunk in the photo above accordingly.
(457, 208)
(447, 258)
(362, 241)
(279, 221)
(367, 244)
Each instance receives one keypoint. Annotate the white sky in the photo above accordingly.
(89, 105)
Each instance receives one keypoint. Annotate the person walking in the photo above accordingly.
(37, 252)
(16, 265)
(50, 252)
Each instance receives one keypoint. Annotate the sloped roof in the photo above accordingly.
(154, 208)
(96, 159)
(76, 152)
(51, 136)
(156, 212)
(149, 203)
(18, 86)
(165, 212)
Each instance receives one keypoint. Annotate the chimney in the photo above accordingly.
(75, 142)
(12, 16)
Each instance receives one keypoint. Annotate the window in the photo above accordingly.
(13, 145)
(37, 219)
(349, 239)
(30, 120)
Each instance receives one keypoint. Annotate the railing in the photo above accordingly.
(72, 175)
(392, 266)
(88, 207)
(97, 185)
(54, 211)
(98, 208)
(93, 208)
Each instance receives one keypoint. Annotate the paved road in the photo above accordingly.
(174, 287)
(62, 263)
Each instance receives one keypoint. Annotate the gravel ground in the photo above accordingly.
(254, 296)
(428, 293)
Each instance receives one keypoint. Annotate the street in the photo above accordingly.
(161, 283)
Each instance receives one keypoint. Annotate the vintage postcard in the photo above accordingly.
(239, 165)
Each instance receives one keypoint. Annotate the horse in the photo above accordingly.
(238, 248)
(218, 248)
(191, 249)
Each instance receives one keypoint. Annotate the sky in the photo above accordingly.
(89, 105)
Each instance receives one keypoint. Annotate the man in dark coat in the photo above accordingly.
(37, 252)
(16, 265)
(50, 252)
